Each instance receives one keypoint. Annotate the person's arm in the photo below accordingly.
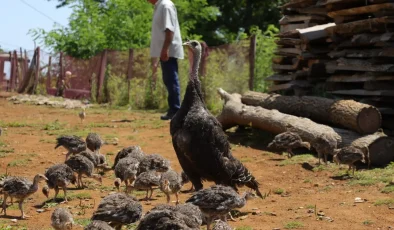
(164, 56)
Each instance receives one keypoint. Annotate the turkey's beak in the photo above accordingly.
(186, 43)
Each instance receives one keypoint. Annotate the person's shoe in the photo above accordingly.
(167, 116)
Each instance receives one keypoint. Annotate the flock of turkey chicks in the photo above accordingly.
(324, 145)
(138, 171)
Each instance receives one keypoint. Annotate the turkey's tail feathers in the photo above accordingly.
(241, 176)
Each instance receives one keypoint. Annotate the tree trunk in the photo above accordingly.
(235, 113)
(362, 118)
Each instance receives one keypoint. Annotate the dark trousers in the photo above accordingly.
(171, 81)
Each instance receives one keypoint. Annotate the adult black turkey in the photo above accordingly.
(199, 141)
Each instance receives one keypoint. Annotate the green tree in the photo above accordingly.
(116, 24)
(237, 18)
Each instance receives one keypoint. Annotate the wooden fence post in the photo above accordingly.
(48, 86)
(1, 74)
(12, 73)
(100, 82)
(252, 58)
(17, 75)
(60, 77)
(25, 64)
(130, 72)
(37, 72)
(22, 65)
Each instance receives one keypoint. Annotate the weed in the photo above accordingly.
(56, 125)
(384, 202)
(297, 159)
(310, 206)
(49, 204)
(367, 222)
(7, 150)
(294, 225)
(84, 222)
(279, 191)
(244, 228)
(374, 176)
(20, 162)
(307, 181)
(388, 189)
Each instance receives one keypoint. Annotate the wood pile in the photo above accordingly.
(341, 47)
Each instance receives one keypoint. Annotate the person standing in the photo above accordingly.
(166, 44)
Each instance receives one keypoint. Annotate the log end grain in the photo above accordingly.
(382, 151)
(369, 120)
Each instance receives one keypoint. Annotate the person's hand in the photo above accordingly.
(164, 55)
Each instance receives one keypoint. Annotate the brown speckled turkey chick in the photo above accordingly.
(94, 142)
(118, 209)
(171, 183)
(132, 151)
(153, 162)
(59, 176)
(349, 155)
(19, 188)
(61, 219)
(163, 217)
(82, 166)
(221, 225)
(146, 181)
(126, 170)
(218, 201)
(325, 144)
(288, 140)
(98, 225)
(73, 144)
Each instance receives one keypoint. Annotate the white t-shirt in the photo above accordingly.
(165, 17)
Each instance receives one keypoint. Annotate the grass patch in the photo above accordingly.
(388, 189)
(50, 204)
(384, 202)
(100, 125)
(293, 225)
(244, 228)
(84, 222)
(82, 195)
(20, 162)
(245, 159)
(310, 206)
(367, 222)
(6, 150)
(298, 159)
(16, 124)
(374, 176)
(279, 191)
(56, 125)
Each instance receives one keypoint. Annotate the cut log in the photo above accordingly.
(234, 113)
(361, 92)
(350, 114)
(362, 10)
(358, 65)
(360, 78)
(362, 53)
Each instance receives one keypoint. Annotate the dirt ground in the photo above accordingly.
(28, 149)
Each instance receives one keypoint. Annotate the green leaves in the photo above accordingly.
(96, 25)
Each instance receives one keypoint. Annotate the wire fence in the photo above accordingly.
(128, 77)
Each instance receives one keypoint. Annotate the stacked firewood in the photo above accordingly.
(341, 47)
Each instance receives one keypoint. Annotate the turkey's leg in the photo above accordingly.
(177, 198)
(21, 208)
(56, 192)
(168, 198)
(4, 207)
